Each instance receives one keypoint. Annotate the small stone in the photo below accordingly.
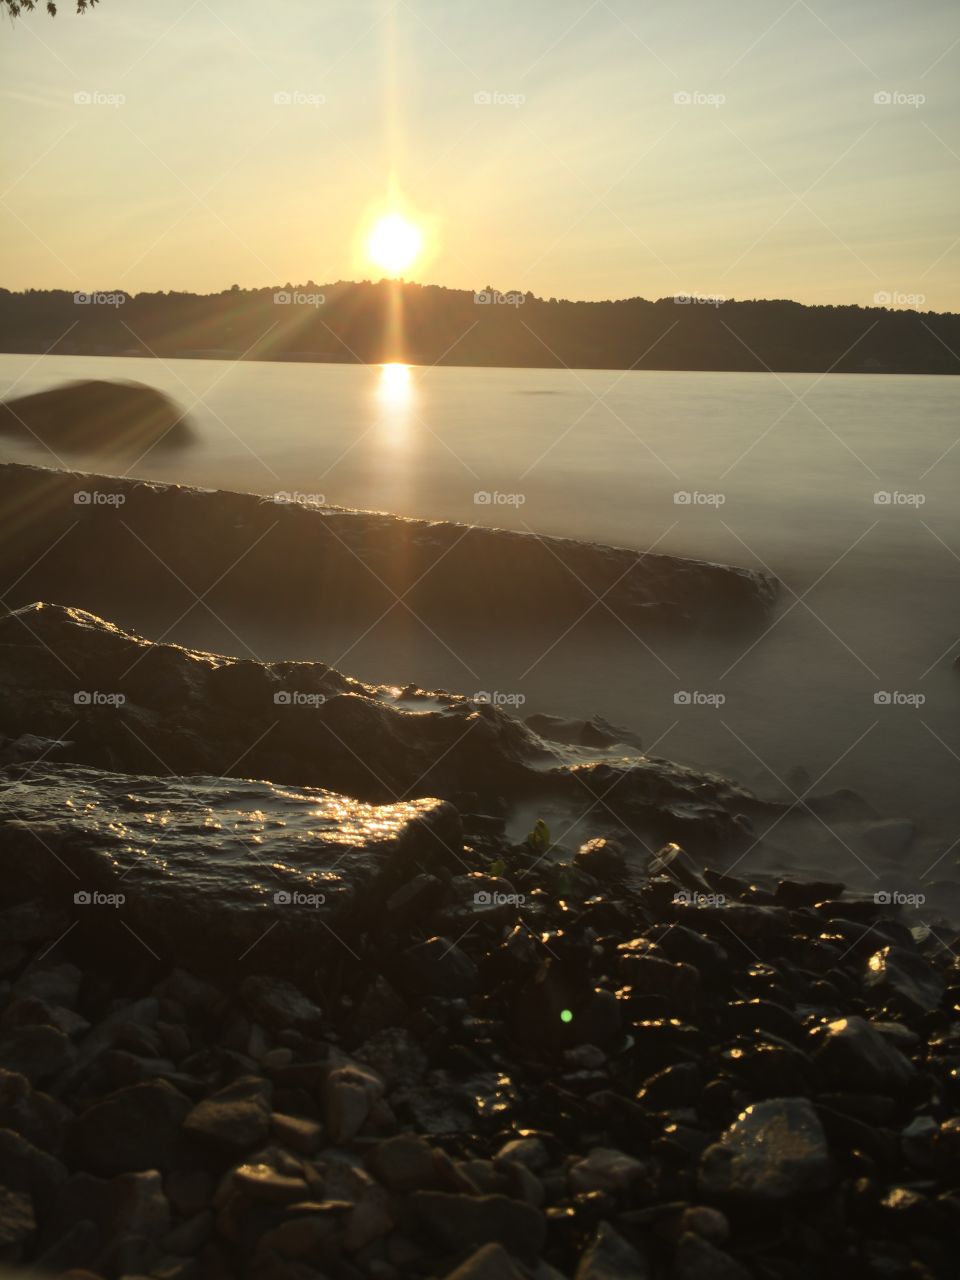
(904, 981)
(917, 1142)
(698, 1259)
(437, 967)
(774, 1151)
(17, 1223)
(262, 1182)
(190, 1236)
(55, 984)
(195, 995)
(853, 1055)
(610, 1257)
(190, 1191)
(38, 1052)
(135, 1128)
(528, 1151)
(24, 1167)
(236, 1118)
(297, 1133)
(459, 1221)
(490, 1262)
(704, 1221)
(349, 1095)
(279, 1005)
(404, 1163)
(605, 1169)
(603, 858)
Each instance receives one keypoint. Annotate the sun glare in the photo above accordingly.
(394, 243)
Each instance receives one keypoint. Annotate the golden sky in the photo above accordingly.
(755, 148)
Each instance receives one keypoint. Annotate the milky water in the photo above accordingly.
(851, 679)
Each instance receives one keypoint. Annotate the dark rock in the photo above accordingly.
(793, 893)
(602, 857)
(24, 1167)
(853, 1055)
(36, 1116)
(677, 1085)
(404, 1163)
(235, 1119)
(38, 1052)
(350, 1094)
(904, 981)
(458, 1221)
(133, 1129)
(606, 1169)
(125, 419)
(17, 1223)
(490, 1262)
(262, 1182)
(697, 1259)
(436, 967)
(775, 1151)
(610, 1257)
(278, 1004)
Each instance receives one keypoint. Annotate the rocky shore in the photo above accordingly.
(349, 1023)
(507, 1069)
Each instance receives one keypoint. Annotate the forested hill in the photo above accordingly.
(428, 324)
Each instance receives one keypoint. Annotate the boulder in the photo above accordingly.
(775, 1151)
(133, 1129)
(852, 1054)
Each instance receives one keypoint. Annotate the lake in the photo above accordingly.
(843, 486)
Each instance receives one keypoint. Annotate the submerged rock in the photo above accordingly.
(96, 416)
(309, 564)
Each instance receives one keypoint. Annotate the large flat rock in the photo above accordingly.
(167, 544)
(204, 869)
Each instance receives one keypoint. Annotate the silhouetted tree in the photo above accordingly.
(16, 7)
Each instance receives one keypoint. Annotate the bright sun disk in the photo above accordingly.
(394, 243)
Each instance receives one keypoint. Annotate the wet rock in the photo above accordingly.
(852, 1054)
(774, 1151)
(456, 1221)
(698, 1259)
(278, 1004)
(235, 1119)
(605, 1169)
(677, 1085)
(297, 1133)
(610, 1257)
(189, 891)
(652, 974)
(918, 1142)
(904, 981)
(706, 1222)
(135, 1128)
(262, 1182)
(35, 1115)
(794, 893)
(603, 858)
(529, 1151)
(54, 984)
(490, 1262)
(676, 863)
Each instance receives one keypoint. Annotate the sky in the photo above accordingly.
(576, 148)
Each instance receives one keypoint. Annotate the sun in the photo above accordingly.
(395, 242)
